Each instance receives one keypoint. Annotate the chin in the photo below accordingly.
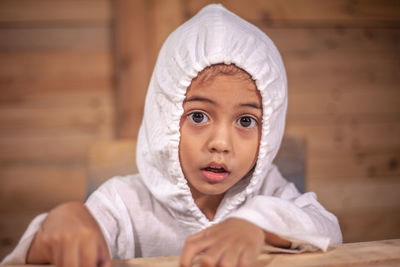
(214, 191)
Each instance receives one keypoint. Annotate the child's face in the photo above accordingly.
(220, 133)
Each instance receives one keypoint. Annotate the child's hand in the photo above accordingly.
(70, 236)
(234, 242)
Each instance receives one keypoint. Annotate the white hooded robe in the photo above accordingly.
(152, 213)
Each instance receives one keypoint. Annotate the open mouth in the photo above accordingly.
(215, 173)
(215, 169)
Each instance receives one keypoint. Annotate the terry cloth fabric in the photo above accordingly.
(152, 213)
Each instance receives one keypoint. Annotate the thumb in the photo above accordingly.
(104, 256)
(107, 263)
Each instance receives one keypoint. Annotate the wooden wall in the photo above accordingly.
(56, 96)
(67, 67)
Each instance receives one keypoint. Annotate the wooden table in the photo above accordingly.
(376, 253)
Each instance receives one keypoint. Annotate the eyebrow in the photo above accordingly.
(204, 99)
(199, 98)
(252, 105)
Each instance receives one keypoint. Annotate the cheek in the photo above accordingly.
(256, 146)
(252, 150)
(182, 147)
(186, 148)
(183, 157)
(248, 149)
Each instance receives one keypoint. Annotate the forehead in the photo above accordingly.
(228, 80)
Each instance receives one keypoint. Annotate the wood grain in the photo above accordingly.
(378, 253)
(12, 225)
(32, 187)
(110, 158)
(132, 66)
(45, 12)
(349, 40)
(372, 224)
(347, 138)
(359, 193)
(367, 163)
(166, 17)
(311, 13)
(85, 38)
(56, 80)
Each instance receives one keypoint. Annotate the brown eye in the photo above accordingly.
(198, 117)
(246, 122)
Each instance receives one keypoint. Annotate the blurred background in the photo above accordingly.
(73, 72)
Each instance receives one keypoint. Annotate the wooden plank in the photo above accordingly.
(166, 17)
(53, 121)
(81, 38)
(55, 64)
(110, 158)
(15, 88)
(49, 149)
(378, 165)
(72, 12)
(383, 253)
(377, 253)
(132, 67)
(328, 59)
(61, 99)
(24, 73)
(339, 119)
(342, 70)
(311, 12)
(358, 193)
(340, 102)
(346, 139)
(329, 83)
(370, 224)
(12, 226)
(25, 187)
(151, 22)
(33, 124)
(340, 40)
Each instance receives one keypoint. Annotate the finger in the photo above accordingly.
(193, 246)
(214, 254)
(56, 251)
(106, 263)
(248, 257)
(105, 259)
(39, 251)
(57, 257)
(69, 254)
(230, 256)
(104, 256)
(88, 254)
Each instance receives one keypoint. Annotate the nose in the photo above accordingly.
(220, 140)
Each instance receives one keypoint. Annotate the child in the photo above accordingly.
(213, 122)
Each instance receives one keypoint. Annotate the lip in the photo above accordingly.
(215, 176)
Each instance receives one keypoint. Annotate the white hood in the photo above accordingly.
(214, 35)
